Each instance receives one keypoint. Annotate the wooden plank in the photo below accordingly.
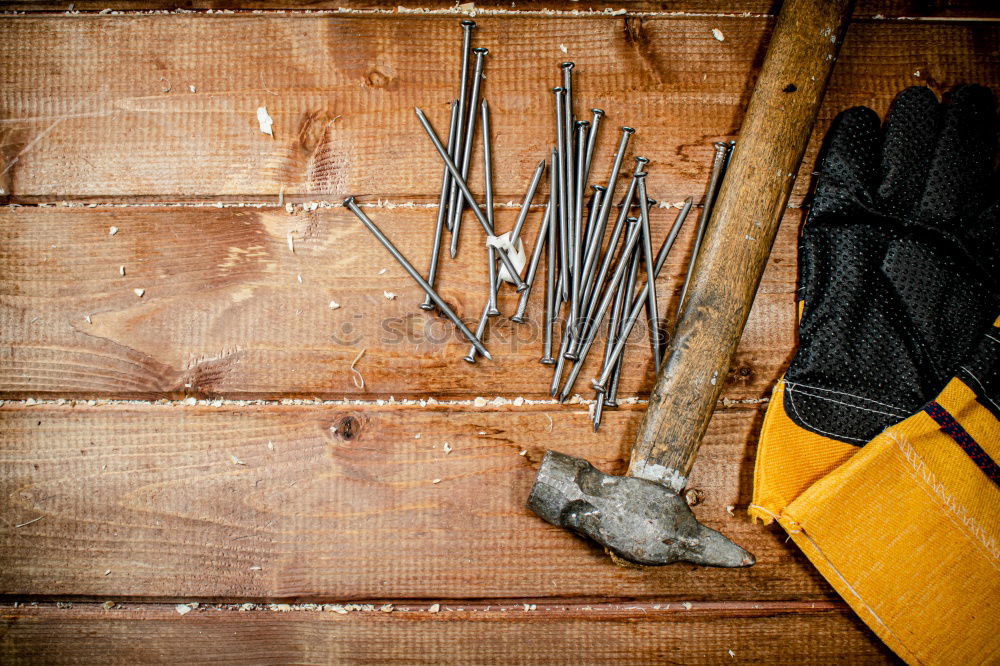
(341, 90)
(605, 633)
(223, 312)
(337, 502)
(865, 8)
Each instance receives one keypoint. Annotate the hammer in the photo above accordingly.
(642, 518)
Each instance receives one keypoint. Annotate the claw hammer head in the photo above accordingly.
(641, 521)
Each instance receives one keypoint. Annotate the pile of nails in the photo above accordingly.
(588, 276)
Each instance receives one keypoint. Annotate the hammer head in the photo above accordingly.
(639, 520)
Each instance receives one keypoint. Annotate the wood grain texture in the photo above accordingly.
(865, 8)
(552, 634)
(77, 124)
(192, 503)
(223, 312)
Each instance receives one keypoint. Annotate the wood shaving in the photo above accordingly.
(256, 568)
(192, 89)
(389, 295)
(434, 608)
(182, 609)
(338, 609)
(270, 445)
(291, 242)
(523, 452)
(436, 481)
(447, 447)
(562, 47)
(479, 402)
(112, 231)
(121, 270)
(386, 608)
(236, 461)
(417, 436)
(334, 305)
(359, 380)
(89, 320)
(108, 605)
(687, 605)
(289, 207)
(29, 522)
(190, 401)
(299, 278)
(718, 34)
(530, 607)
(265, 122)
(139, 292)
(382, 272)
(549, 417)
(518, 401)
(731, 654)
(731, 509)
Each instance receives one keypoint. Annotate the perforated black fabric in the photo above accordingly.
(899, 262)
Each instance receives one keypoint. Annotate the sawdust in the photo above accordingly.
(447, 448)
(358, 378)
(436, 481)
(434, 608)
(112, 231)
(139, 292)
(389, 296)
(718, 34)
(334, 305)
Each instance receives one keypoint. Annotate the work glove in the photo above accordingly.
(899, 353)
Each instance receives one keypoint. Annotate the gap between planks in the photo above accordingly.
(545, 606)
(478, 402)
(459, 12)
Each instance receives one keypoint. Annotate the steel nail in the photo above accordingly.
(522, 215)
(550, 262)
(463, 99)
(568, 118)
(600, 384)
(598, 411)
(647, 253)
(560, 363)
(592, 141)
(470, 135)
(564, 206)
(612, 394)
(491, 302)
(352, 205)
(464, 189)
(536, 256)
(714, 182)
(616, 166)
(442, 208)
(514, 236)
(609, 294)
(577, 210)
(595, 281)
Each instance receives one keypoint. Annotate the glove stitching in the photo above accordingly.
(791, 400)
(902, 412)
(978, 381)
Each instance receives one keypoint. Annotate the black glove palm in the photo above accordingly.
(898, 264)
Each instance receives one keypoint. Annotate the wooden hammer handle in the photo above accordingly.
(776, 129)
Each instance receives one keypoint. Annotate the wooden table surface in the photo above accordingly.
(189, 467)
